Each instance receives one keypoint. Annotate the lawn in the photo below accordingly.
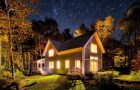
(51, 82)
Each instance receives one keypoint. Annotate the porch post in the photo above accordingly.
(101, 62)
(83, 62)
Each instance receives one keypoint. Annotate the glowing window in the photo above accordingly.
(93, 48)
(93, 58)
(51, 65)
(77, 64)
(67, 64)
(51, 53)
(58, 64)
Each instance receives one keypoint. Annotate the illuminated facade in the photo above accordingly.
(83, 52)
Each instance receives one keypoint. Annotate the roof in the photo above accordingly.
(76, 42)
(74, 45)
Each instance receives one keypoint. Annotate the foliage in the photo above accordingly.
(81, 30)
(66, 34)
(42, 31)
(135, 75)
(104, 27)
(112, 72)
(6, 74)
(105, 82)
(19, 74)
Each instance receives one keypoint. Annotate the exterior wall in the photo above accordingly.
(88, 54)
(38, 65)
(62, 58)
(83, 56)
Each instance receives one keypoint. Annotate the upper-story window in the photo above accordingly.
(51, 53)
(93, 48)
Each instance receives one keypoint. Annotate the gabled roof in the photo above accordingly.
(76, 43)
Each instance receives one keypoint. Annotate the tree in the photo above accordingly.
(81, 30)
(18, 30)
(43, 31)
(66, 34)
(131, 27)
(104, 27)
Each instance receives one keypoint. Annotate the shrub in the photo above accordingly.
(19, 74)
(6, 74)
(135, 75)
(90, 75)
(112, 72)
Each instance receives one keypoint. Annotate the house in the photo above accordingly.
(83, 52)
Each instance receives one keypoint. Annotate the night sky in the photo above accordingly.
(71, 13)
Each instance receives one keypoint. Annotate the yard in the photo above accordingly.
(51, 82)
(57, 82)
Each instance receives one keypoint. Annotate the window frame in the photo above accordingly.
(51, 52)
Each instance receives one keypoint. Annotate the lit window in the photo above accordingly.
(51, 65)
(93, 48)
(96, 58)
(67, 64)
(51, 53)
(93, 58)
(77, 64)
(58, 64)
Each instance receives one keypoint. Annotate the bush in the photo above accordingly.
(135, 75)
(90, 75)
(6, 74)
(19, 74)
(112, 72)
(105, 82)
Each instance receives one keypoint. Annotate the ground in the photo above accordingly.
(57, 82)
(52, 82)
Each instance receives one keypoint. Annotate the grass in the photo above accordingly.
(51, 82)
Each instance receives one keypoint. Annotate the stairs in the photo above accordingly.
(44, 71)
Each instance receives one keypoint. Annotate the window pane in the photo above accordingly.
(58, 65)
(93, 58)
(51, 65)
(93, 48)
(67, 64)
(51, 53)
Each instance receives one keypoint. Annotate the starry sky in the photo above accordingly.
(72, 13)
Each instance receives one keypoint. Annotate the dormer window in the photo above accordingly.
(93, 48)
(51, 53)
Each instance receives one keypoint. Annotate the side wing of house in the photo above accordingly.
(93, 54)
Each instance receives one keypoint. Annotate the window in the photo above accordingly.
(93, 58)
(77, 64)
(67, 64)
(43, 64)
(51, 65)
(51, 52)
(93, 48)
(58, 64)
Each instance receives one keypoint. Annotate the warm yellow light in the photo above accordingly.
(77, 64)
(93, 48)
(51, 65)
(51, 53)
(67, 64)
(93, 58)
(58, 64)
(94, 67)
